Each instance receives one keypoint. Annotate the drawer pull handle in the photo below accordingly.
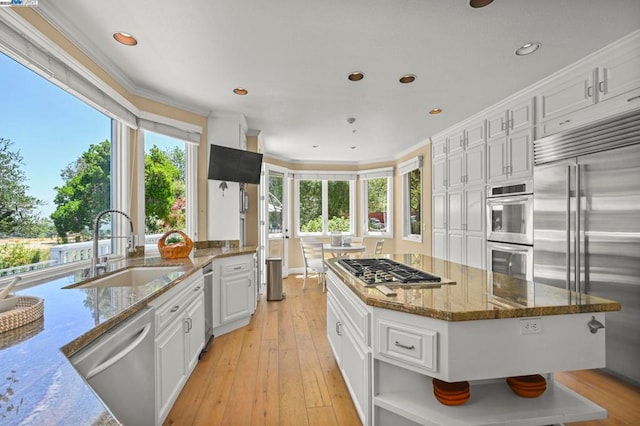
(237, 267)
(175, 308)
(412, 347)
(197, 288)
(633, 98)
(564, 122)
(338, 325)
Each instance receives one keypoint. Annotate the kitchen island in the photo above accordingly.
(473, 326)
(40, 386)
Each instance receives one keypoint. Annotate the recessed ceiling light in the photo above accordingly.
(480, 3)
(240, 91)
(529, 48)
(407, 78)
(435, 111)
(125, 38)
(356, 76)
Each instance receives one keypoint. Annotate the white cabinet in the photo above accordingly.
(510, 158)
(510, 143)
(439, 174)
(348, 324)
(438, 148)
(179, 339)
(465, 237)
(234, 292)
(603, 87)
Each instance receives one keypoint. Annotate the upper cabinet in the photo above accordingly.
(510, 142)
(606, 85)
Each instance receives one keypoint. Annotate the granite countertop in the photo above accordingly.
(38, 384)
(468, 293)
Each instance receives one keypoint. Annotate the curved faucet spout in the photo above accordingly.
(96, 226)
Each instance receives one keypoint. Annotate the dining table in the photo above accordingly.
(343, 250)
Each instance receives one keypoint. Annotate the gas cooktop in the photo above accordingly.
(374, 271)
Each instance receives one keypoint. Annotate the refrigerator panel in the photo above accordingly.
(554, 222)
(610, 248)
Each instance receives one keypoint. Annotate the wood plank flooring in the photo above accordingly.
(279, 370)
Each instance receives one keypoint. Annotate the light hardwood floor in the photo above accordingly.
(279, 370)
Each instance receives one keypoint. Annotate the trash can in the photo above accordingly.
(274, 279)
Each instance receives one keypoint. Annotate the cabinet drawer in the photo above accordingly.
(174, 307)
(405, 345)
(235, 265)
(354, 310)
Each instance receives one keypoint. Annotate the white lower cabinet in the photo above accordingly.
(234, 293)
(179, 340)
(348, 324)
(389, 358)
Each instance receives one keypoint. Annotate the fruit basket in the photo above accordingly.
(175, 250)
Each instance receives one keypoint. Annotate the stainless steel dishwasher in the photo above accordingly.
(119, 366)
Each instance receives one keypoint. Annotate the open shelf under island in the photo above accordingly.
(475, 326)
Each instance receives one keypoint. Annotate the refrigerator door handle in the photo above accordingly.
(577, 233)
(568, 228)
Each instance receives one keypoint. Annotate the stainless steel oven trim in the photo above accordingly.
(513, 248)
(508, 237)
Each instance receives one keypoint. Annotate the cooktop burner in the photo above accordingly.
(380, 271)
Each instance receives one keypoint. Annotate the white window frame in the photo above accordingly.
(22, 42)
(325, 177)
(404, 169)
(364, 176)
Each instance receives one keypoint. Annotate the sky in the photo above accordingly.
(50, 127)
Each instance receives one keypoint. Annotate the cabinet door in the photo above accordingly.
(456, 142)
(455, 210)
(439, 244)
(235, 297)
(474, 208)
(170, 365)
(475, 165)
(475, 134)
(571, 94)
(497, 126)
(439, 148)
(356, 367)
(620, 75)
(455, 244)
(521, 116)
(521, 155)
(334, 328)
(195, 335)
(496, 160)
(475, 250)
(440, 210)
(439, 174)
(456, 170)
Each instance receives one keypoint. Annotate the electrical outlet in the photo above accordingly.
(531, 326)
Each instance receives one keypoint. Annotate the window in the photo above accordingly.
(411, 172)
(324, 205)
(55, 173)
(377, 199)
(276, 194)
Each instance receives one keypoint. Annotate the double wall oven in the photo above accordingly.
(510, 229)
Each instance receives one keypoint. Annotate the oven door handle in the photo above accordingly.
(510, 200)
(508, 249)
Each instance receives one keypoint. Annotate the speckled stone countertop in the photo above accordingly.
(38, 384)
(472, 294)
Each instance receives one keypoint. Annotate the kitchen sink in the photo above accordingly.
(133, 277)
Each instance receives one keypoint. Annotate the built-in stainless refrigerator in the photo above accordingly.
(587, 225)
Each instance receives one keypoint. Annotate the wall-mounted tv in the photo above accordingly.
(234, 165)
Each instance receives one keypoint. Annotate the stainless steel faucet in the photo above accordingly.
(95, 265)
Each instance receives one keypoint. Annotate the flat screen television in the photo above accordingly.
(234, 165)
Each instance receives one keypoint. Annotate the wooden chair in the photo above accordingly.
(313, 255)
(379, 245)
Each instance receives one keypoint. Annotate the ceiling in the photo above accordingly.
(294, 56)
